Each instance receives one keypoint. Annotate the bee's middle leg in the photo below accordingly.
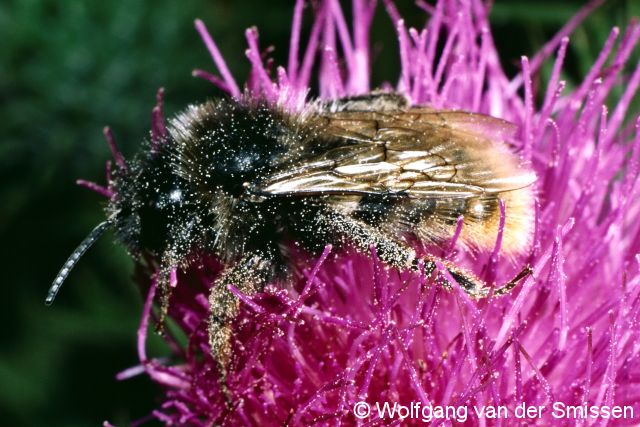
(249, 276)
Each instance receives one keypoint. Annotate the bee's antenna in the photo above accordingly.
(73, 259)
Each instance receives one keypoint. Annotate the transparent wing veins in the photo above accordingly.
(415, 154)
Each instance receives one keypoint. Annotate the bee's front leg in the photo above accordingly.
(249, 276)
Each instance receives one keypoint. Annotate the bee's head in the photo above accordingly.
(150, 200)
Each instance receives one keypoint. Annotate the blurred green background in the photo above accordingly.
(67, 68)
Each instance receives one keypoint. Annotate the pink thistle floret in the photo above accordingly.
(350, 330)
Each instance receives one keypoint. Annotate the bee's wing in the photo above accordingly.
(415, 153)
(473, 123)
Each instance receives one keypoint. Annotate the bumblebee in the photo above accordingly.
(245, 180)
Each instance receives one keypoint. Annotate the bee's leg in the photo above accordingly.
(507, 287)
(249, 276)
(341, 227)
(173, 257)
(163, 280)
(469, 282)
(400, 255)
(170, 261)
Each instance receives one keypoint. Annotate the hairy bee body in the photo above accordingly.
(238, 178)
(245, 180)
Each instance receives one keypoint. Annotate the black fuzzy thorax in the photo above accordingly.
(190, 194)
(223, 144)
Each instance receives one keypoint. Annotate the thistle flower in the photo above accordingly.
(350, 330)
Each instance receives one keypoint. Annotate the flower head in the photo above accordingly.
(350, 330)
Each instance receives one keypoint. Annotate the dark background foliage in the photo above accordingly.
(67, 68)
